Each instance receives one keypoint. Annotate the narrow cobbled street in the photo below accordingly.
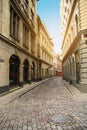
(50, 106)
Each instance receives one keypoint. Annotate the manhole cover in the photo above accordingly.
(61, 119)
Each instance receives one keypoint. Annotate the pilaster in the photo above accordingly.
(83, 70)
(30, 72)
(21, 73)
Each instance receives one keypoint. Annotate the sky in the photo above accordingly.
(49, 12)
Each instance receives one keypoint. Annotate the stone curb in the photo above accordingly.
(18, 93)
(75, 92)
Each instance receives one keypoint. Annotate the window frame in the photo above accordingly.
(14, 24)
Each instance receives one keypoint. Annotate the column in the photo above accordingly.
(83, 69)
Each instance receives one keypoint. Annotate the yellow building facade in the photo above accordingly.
(26, 51)
(45, 51)
(18, 54)
(74, 42)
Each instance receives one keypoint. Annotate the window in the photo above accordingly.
(69, 39)
(85, 35)
(14, 23)
(32, 15)
(19, 1)
(25, 4)
(25, 36)
(68, 11)
(76, 21)
(38, 52)
(32, 2)
(32, 44)
(72, 32)
(66, 1)
(65, 9)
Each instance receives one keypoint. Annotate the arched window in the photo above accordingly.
(25, 70)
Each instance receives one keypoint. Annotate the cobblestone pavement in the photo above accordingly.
(50, 106)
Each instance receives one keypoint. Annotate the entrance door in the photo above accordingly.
(33, 71)
(77, 59)
(14, 70)
(77, 73)
(25, 70)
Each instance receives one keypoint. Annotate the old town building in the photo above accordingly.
(18, 54)
(74, 42)
(45, 51)
(23, 58)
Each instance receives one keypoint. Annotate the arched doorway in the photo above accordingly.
(25, 70)
(33, 71)
(14, 70)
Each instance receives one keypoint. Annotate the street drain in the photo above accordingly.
(61, 119)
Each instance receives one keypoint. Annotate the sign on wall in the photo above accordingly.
(1, 60)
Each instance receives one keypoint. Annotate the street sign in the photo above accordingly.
(1, 60)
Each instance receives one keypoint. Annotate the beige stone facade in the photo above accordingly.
(18, 63)
(20, 46)
(45, 50)
(74, 42)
